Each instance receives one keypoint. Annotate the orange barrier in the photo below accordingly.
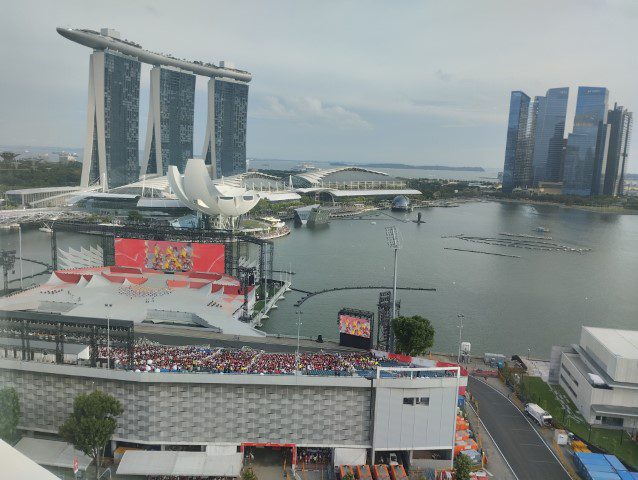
(380, 472)
(397, 472)
(362, 472)
(345, 470)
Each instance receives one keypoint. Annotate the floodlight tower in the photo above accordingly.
(393, 240)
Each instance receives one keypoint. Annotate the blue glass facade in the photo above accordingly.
(620, 123)
(586, 155)
(121, 119)
(176, 116)
(231, 112)
(548, 157)
(516, 138)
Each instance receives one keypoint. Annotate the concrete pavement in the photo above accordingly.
(523, 448)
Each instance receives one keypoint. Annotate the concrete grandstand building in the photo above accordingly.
(410, 411)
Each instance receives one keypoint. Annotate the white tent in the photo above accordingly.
(17, 466)
(52, 453)
(350, 456)
(97, 281)
(142, 462)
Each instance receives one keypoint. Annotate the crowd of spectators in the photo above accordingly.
(163, 358)
(182, 477)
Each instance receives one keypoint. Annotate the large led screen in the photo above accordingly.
(359, 327)
(169, 256)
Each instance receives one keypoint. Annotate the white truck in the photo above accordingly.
(537, 413)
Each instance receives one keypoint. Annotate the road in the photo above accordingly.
(523, 448)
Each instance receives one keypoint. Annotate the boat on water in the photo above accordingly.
(541, 229)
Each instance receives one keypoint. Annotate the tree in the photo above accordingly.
(462, 467)
(415, 335)
(92, 423)
(248, 474)
(8, 156)
(10, 413)
(135, 216)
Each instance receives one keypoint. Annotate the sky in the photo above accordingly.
(416, 82)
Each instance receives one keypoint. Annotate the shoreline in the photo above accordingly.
(586, 208)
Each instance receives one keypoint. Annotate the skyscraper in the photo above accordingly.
(225, 142)
(169, 135)
(111, 150)
(111, 147)
(515, 144)
(586, 155)
(548, 157)
(620, 123)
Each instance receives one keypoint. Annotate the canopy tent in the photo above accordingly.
(350, 456)
(17, 466)
(203, 464)
(52, 453)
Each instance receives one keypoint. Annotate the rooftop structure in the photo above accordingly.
(346, 178)
(109, 39)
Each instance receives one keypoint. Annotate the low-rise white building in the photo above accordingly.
(600, 375)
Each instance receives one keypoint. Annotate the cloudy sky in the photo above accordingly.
(419, 82)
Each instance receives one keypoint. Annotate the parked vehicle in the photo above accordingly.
(537, 413)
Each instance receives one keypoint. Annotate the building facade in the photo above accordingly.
(516, 145)
(111, 155)
(169, 135)
(547, 163)
(620, 122)
(586, 155)
(225, 140)
(412, 415)
(600, 375)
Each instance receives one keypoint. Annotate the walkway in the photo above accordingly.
(522, 446)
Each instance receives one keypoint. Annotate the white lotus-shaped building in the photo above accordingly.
(197, 190)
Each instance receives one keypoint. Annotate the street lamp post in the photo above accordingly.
(108, 334)
(393, 240)
(460, 326)
(299, 316)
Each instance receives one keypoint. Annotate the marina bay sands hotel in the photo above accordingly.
(111, 150)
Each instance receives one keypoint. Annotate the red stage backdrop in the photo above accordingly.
(169, 256)
(354, 326)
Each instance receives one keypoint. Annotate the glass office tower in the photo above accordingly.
(515, 145)
(169, 138)
(111, 154)
(548, 157)
(229, 112)
(620, 122)
(586, 155)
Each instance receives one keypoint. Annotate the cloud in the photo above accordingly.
(311, 111)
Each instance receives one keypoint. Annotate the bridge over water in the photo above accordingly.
(369, 287)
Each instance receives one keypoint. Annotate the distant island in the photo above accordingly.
(410, 167)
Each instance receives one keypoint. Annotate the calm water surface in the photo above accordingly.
(509, 304)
